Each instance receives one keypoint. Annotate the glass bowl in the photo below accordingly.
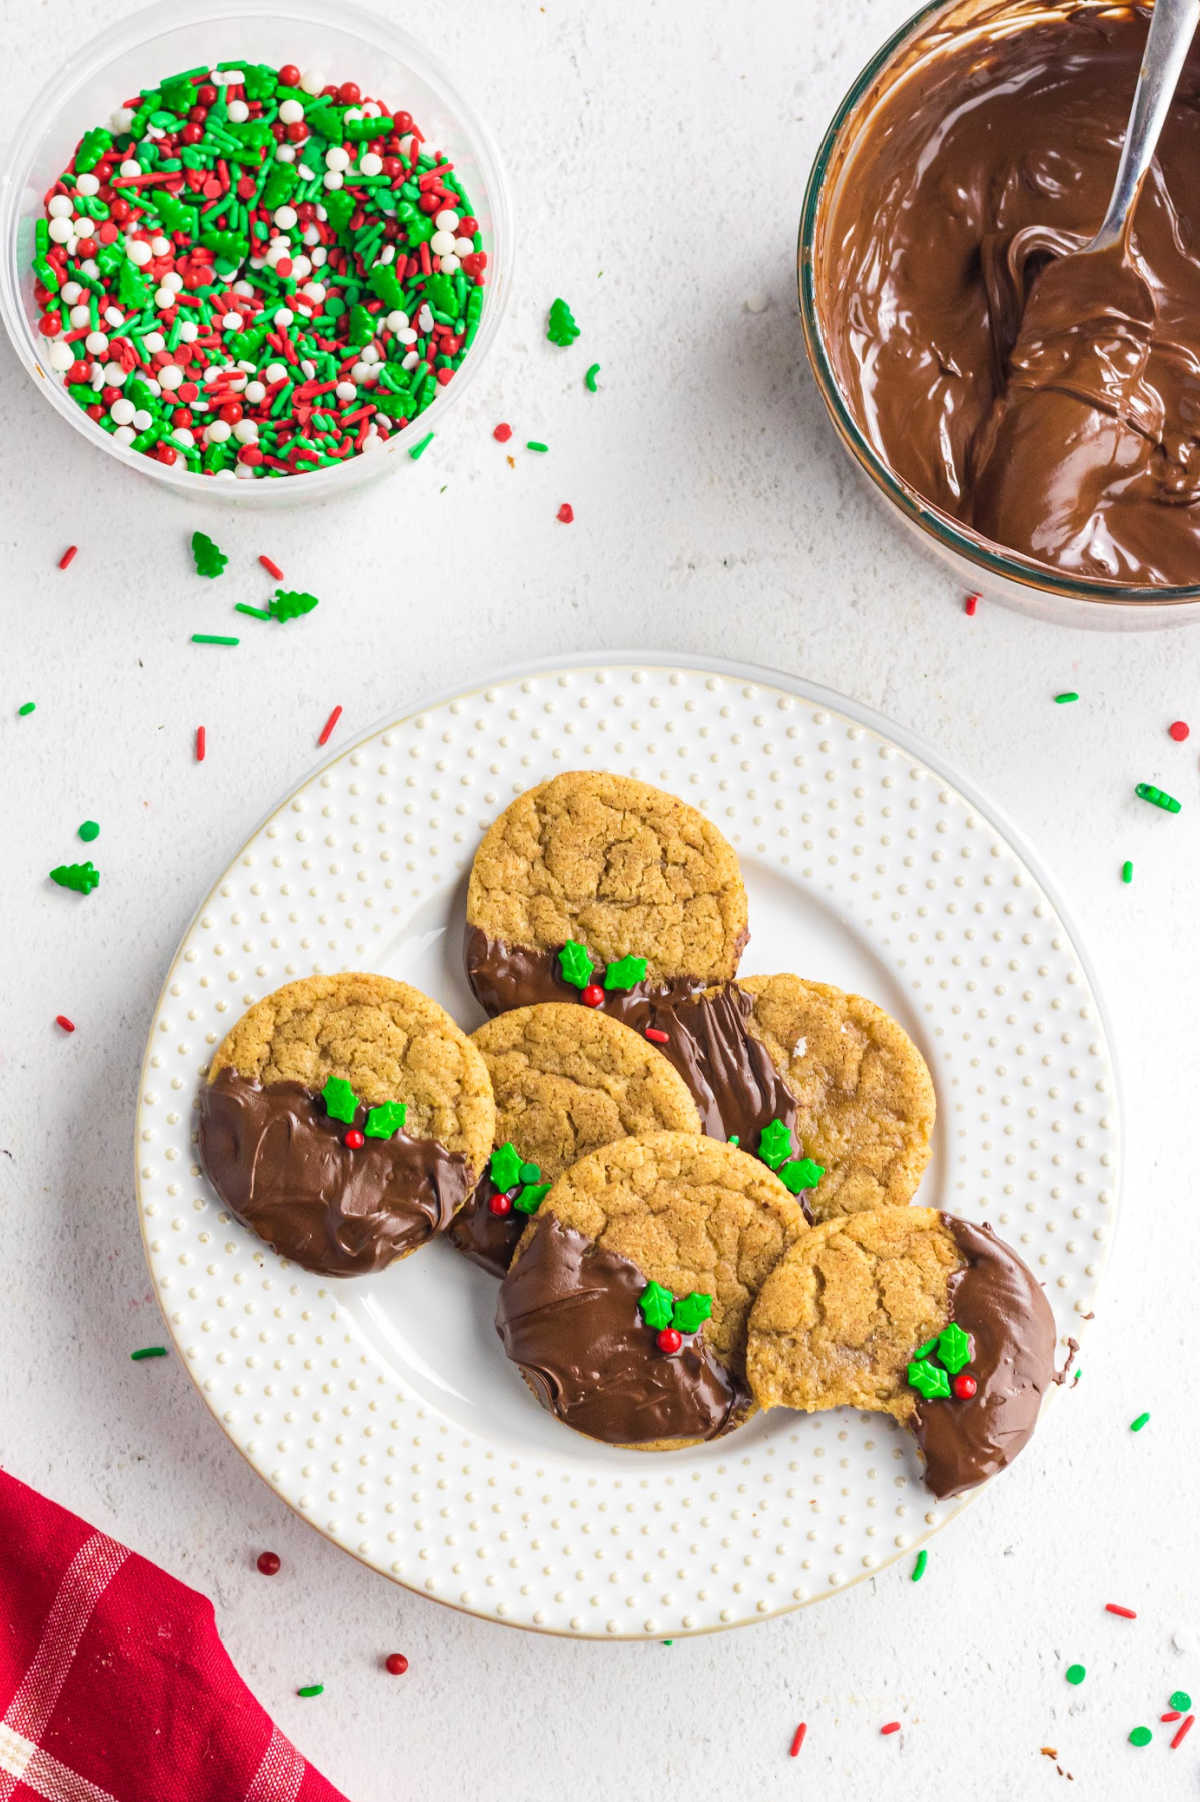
(351, 45)
(978, 564)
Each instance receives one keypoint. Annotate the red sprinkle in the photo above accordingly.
(1179, 729)
(397, 1663)
(67, 1025)
(268, 1563)
(502, 434)
(272, 568)
(892, 1727)
(327, 728)
(201, 743)
(969, 606)
(798, 1739)
(354, 1139)
(964, 1385)
(566, 513)
(592, 996)
(1126, 1614)
(657, 1036)
(670, 1340)
(500, 1204)
(1172, 1714)
(1182, 1731)
(69, 555)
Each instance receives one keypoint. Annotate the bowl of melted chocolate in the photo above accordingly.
(1052, 452)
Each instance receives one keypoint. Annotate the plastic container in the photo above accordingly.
(346, 43)
(978, 564)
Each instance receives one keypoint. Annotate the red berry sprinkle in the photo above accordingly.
(1179, 730)
(500, 1204)
(268, 1563)
(67, 1025)
(566, 513)
(670, 1340)
(502, 433)
(657, 1036)
(593, 995)
(965, 1385)
(289, 75)
(396, 1663)
(354, 1139)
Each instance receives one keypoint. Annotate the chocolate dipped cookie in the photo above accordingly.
(913, 1313)
(345, 1120)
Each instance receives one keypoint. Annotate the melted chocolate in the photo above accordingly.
(1000, 1304)
(1048, 401)
(488, 1239)
(730, 1074)
(568, 1316)
(278, 1162)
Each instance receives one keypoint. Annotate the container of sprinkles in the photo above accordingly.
(255, 253)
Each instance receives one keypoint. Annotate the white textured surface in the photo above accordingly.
(666, 146)
(443, 1472)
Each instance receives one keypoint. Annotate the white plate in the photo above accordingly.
(382, 1408)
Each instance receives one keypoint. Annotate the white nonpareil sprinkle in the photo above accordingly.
(218, 431)
(60, 357)
(124, 434)
(397, 321)
(81, 314)
(246, 431)
(238, 111)
(441, 243)
(255, 391)
(371, 163)
(61, 207)
(333, 179)
(189, 331)
(139, 252)
(87, 184)
(170, 377)
(61, 231)
(346, 391)
(312, 81)
(285, 153)
(122, 411)
(97, 343)
(70, 292)
(337, 158)
(183, 436)
(446, 220)
(291, 112)
(285, 217)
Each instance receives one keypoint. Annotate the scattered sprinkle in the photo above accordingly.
(67, 1025)
(918, 1569)
(268, 1563)
(254, 612)
(26, 708)
(1127, 871)
(421, 446)
(209, 558)
(311, 1689)
(1157, 797)
(566, 514)
(1141, 1736)
(396, 1663)
(1126, 1614)
(148, 1351)
(970, 604)
(657, 1036)
(88, 831)
(1181, 1700)
(502, 433)
(72, 551)
(668, 1642)
(330, 723)
(589, 378)
(535, 444)
(201, 743)
(892, 1727)
(561, 328)
(1172, 1714)
(1135, 1426)
(1184, 1728)
(1076, 1673)
(212, 638)
(292, 603)
(82, 877)
(272, 568)
(798, 1739)
(756, 302)
(1179, 730)
(1068, 694)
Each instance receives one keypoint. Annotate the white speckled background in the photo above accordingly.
(659, 157)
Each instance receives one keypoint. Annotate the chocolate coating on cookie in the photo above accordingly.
(568, 1316)
(281, 1165)
(1000, 1303)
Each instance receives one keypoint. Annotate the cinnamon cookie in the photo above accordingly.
(566, 1081)
(626, 1304)
(344, 1120)
(916, 1314)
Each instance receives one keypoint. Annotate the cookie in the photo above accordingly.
(916, 1314)
(598, 887)
(344, 1120)
(625, 1307)
(566, 1081)
(864, 1101)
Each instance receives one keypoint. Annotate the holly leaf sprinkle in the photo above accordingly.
(656, 1305)
(775, 1144)
(505, 1166)
(531, 1198)
(690, 1313)
(575, 962)
(289, 603)
(340, 1100)
(800, 1173)
(954, 1348)
(386, 1119)
(625, 973)
(928, 1378)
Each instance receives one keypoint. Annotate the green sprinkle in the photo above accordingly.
(340, 1100)
(26, 707)
(691, 1311)
(531, 1198)
(656, 1305)
(533, 444)
(625, 973)
(82, 877)
(1068, 694)
(212, 638)
(668, 1642)
(561, 328)
(1141, 1736)
(918, 1569)
(386, 1119)
(505, 1166)
(929, 1379)
(1181, 1700)
(88, 831)
(149, 1351)
(589, 379)
(734, 1139)
(208, 556)
(419, 449)
(291, 603)
(1157, 797)
(1135, 1426)
(254, 612)
(775, 1143)
(930, 1345)
(1126, 871)
(1076, 1673)
(312, 1689)
(575, 962)
(954, 1348)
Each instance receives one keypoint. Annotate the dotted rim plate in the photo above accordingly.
(858, 848)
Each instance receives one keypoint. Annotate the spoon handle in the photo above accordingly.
(1172, 27)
